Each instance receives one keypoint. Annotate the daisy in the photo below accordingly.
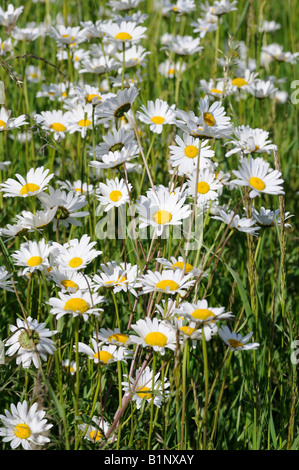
(24, 425)
(221, 7)
(144, 386)
(243, 83)
(115, 159)
(267, 218)
(55, 121)
(5, 282)
(77, 187)
(180, 264)
(202, 26)
(269, 26)
(70, 281)
(275, 51)
(213, 116)
(103, 354)
(170, 69)
(36, 221)
(204, 186)
(187, 331)
(67, 35)
(8, 123)
(201, 313)
(70, 367)
(114, 193)
(95, 433)
(98, 65)
(157, 114)
(196, 127)
(241, 224)
(258, 176)
(33, 74)
(262, 89)
(76, 303)
(116, 106)
(9, 17)
(13, 231)
(169, 281)
(75, 254)
(112, 337)
(123, 5)
(218, 88)
(67, 206)
(115, 141)
(126, 31)
(247, 140)
(5, 46)
(33, 255)
(81, 119)
(154, 333)
(185, 45)
(119, 277)
(30, 342)
(185, 154)
(235, 341)
(34, 182)
(134, 56)
(160, 209)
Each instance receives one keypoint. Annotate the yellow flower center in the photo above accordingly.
(92, 96)
(191, 151)
(119, 337)
(215, 90)
(239, 82)
(95, 436)
(183, 266)
(75, 262)
(158, 119)
(257, 183)
(235, 343)
(156, 339)
(167, 285)
(29, 188)
(76, 305)
(143, 393)
(56, 126)
(162, 217)
(115, 195)
(66, 283)
(202, 314)
(123, 36)
(33, 75)
(187, 330)
(103, 356)
(22, 431)
(209, 119)
(171, 71)
(84, 122)
(2, 123)
(34, 261)
(203, 187)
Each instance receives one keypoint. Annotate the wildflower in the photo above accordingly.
(267, 218)
(185, 154)
(168, 282)
(75, 254)
(104, 354)
(180, 264)
(204, 186)
(95, 433)
(155, 334)
(126, 31)
(55, 121)
(70, 281)
(34, 182)
(5, 282)
(119, 277)
(25, 426)
(9, 17)
(8, 123)
(114, 193)
(33, 255)
(247, 140)
(112, 337)
(116, 106)
(76, 303)
(235, 341)
(30, 342)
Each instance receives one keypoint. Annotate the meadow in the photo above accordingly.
(148, 236)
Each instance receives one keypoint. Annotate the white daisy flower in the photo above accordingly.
(34, 182)
(76, 254)
(126, 31)
(67, 35)
(8, 123)
(276, 52)
(269, 26)
(76, 303)
(196, 127)
(257, 175)
(116, 106)
(144, 386)
(160, 209)
(180, 264)
(157, 114)
(170, 69)
(221, 7)
(262, 89)
(115, 159)
(169, 281)
(202, 26)
(77, 187)
(204, 186)
(104, 354)
(235, 341)
(114, 193)
(98, 65)
(247, 140)
(154, 333)
(56, 121)
(185, 45)
(68, 366)
(185, 154)
(5, 46)
(119, 277)
(201, 313)
(214, 117)
(33, 74)
(241, 224)
(246, 81)
(30, 342)
(95, 433)
(80, 119)
(187, 331)
(5, 279)
(134, 56)
(218, 88)
(267, 218)
(112, 337)
(33, 255)
(36, 221)
(115, 141)
(9, 17)
(67, 206)
(24, 425)
(70, 281)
